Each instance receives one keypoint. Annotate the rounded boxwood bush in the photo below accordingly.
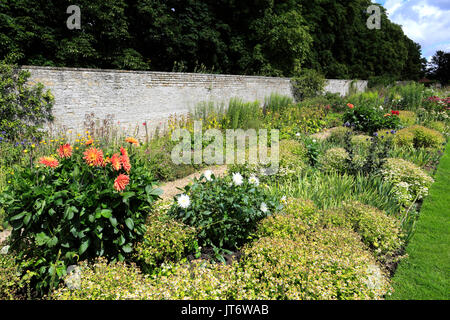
(334, 159)
(379, 231)
(166, 240)
(419, 137)
(328, 264)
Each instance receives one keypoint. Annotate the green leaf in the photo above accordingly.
(18, 216)
(130, 224)
(41, 238)
(127, 248)
(113, 221)
(106, 213)
(84, 246)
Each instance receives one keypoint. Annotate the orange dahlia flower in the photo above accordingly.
(125, 161)
(121, 182)
(49, 162)
(123, 151)
(89, 142)
(131, 140)
(65, 151)
(350, 105)
(93, 157)
(115, 162)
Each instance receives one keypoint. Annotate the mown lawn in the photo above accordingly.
(425, 274)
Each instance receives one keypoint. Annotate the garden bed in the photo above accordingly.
(331, 223)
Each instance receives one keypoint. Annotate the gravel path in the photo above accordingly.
(170, 188)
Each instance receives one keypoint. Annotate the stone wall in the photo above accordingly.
(134, 97)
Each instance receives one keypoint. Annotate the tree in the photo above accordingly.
(439, 67)
(23, 108)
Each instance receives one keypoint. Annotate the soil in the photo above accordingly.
(4, 235)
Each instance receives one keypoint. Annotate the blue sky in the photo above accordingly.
(427, 22)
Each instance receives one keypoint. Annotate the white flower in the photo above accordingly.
(381, 107)
(184, 201)
(314, 140)
(283, 199)
(254, 180)
(4, 250)
(263, 207)
(237, 179)
(208, 174)
(298, 134)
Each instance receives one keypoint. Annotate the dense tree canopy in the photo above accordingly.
(439, 67)
(265, 37)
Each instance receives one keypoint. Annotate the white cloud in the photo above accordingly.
(424, 21)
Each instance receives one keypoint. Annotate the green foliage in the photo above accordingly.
(334, 159)
(361, 141)
(277, 103)
(70, 212)
(23, 109)
(370, 119)
(12, 283)
(292, 154)
(411, 96)
(411, 182)
(419, 137)
(379, 231)
(223, 210)
(165, 240)
(381, 81)
(338, 135)
(328, 190)
(438, 126)
(243, 115)
(307, 84)
(329, 264)
(407, 118)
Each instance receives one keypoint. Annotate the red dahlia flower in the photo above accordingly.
(121, 182)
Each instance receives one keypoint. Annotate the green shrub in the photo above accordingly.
(407, 118)
(338, 134)
(308, 84)
(362, 142)
(328, 264)
(410, 182)
(379, 231)
(12, 284)
(370, 119)
(292, 154)
(24, 108)
(224, 210)
(404, 138)
(198, 280)
(103, 281)
(422, 137)
(64, 209)
(438, 126)
(297, 217)
(166, 240)
(334, 159)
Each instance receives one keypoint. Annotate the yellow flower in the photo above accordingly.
(33, 146)
(25, 151)
(79, 135)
